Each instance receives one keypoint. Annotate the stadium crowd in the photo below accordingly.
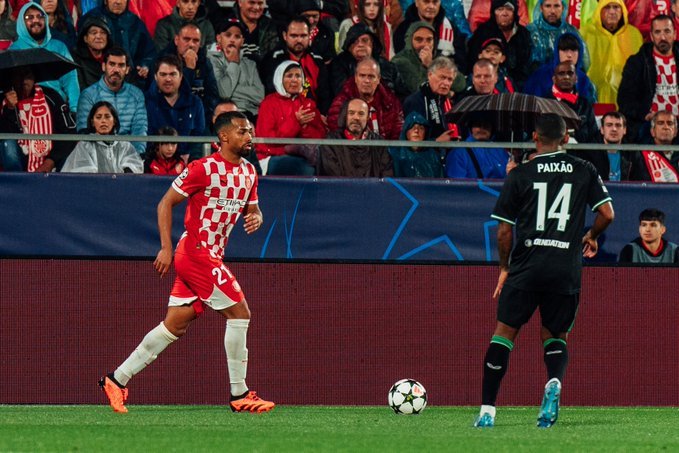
(342, 69)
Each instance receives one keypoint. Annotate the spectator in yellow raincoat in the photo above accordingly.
(610, 40)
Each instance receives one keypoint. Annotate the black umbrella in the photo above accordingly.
(511, 111)
(44, 64)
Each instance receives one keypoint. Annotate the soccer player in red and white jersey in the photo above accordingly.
(219, 188)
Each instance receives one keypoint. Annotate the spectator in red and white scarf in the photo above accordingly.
(29, 108)
(658, 166)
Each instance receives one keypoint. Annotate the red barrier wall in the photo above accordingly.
(329, 334)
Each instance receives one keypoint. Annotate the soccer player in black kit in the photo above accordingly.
(545, 199)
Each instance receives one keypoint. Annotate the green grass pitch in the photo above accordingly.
(323, 428)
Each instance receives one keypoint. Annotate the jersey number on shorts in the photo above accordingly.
(557, 210)
(221, 279)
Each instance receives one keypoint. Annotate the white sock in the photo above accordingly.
(153, 344)
(487, 409)
(237, 354)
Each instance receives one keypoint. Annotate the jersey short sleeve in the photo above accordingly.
(191, 180)
(507, 206)
(254, 198)
(597, 193)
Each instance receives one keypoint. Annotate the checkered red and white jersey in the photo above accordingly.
(217, 191)
(666, 96)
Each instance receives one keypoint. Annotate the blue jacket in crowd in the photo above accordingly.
(67, 86)
(540, 82)
(129, 102)
(186, 115)
(492, 162)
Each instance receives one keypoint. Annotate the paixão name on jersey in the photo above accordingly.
(555, 167)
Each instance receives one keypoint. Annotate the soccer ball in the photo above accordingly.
(408, 397)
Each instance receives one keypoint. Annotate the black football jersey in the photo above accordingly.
(545, 200)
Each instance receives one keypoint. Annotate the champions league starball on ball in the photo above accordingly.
(407, 397)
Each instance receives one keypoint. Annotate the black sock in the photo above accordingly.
(556, 358)
(494, 368)
(111, 376)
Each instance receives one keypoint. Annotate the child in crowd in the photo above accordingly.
(162, 159)
(492, 49)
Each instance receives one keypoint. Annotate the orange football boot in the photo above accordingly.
(250, 402)
(116, 395)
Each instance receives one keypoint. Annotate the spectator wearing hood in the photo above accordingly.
(8, 26)
(104, 156)
(287, 113)
(504, 25)
(549, 23)
(475, 162)
(567, 48)
(94, 39)
(454, 12)
(353, 160)
(129, 32)
(386, 114)
(361, 43)
(412, 62)
(321, 37)
(479, 12)
(186, 12)
(39, 35)
(412, 161)
(296, 46)
(611, 40)
(449, 41)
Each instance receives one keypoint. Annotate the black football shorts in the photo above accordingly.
(557, 311)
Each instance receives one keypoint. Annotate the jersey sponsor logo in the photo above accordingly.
(555, 167)
(493, 367)
(549, 243)
(552, 352)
